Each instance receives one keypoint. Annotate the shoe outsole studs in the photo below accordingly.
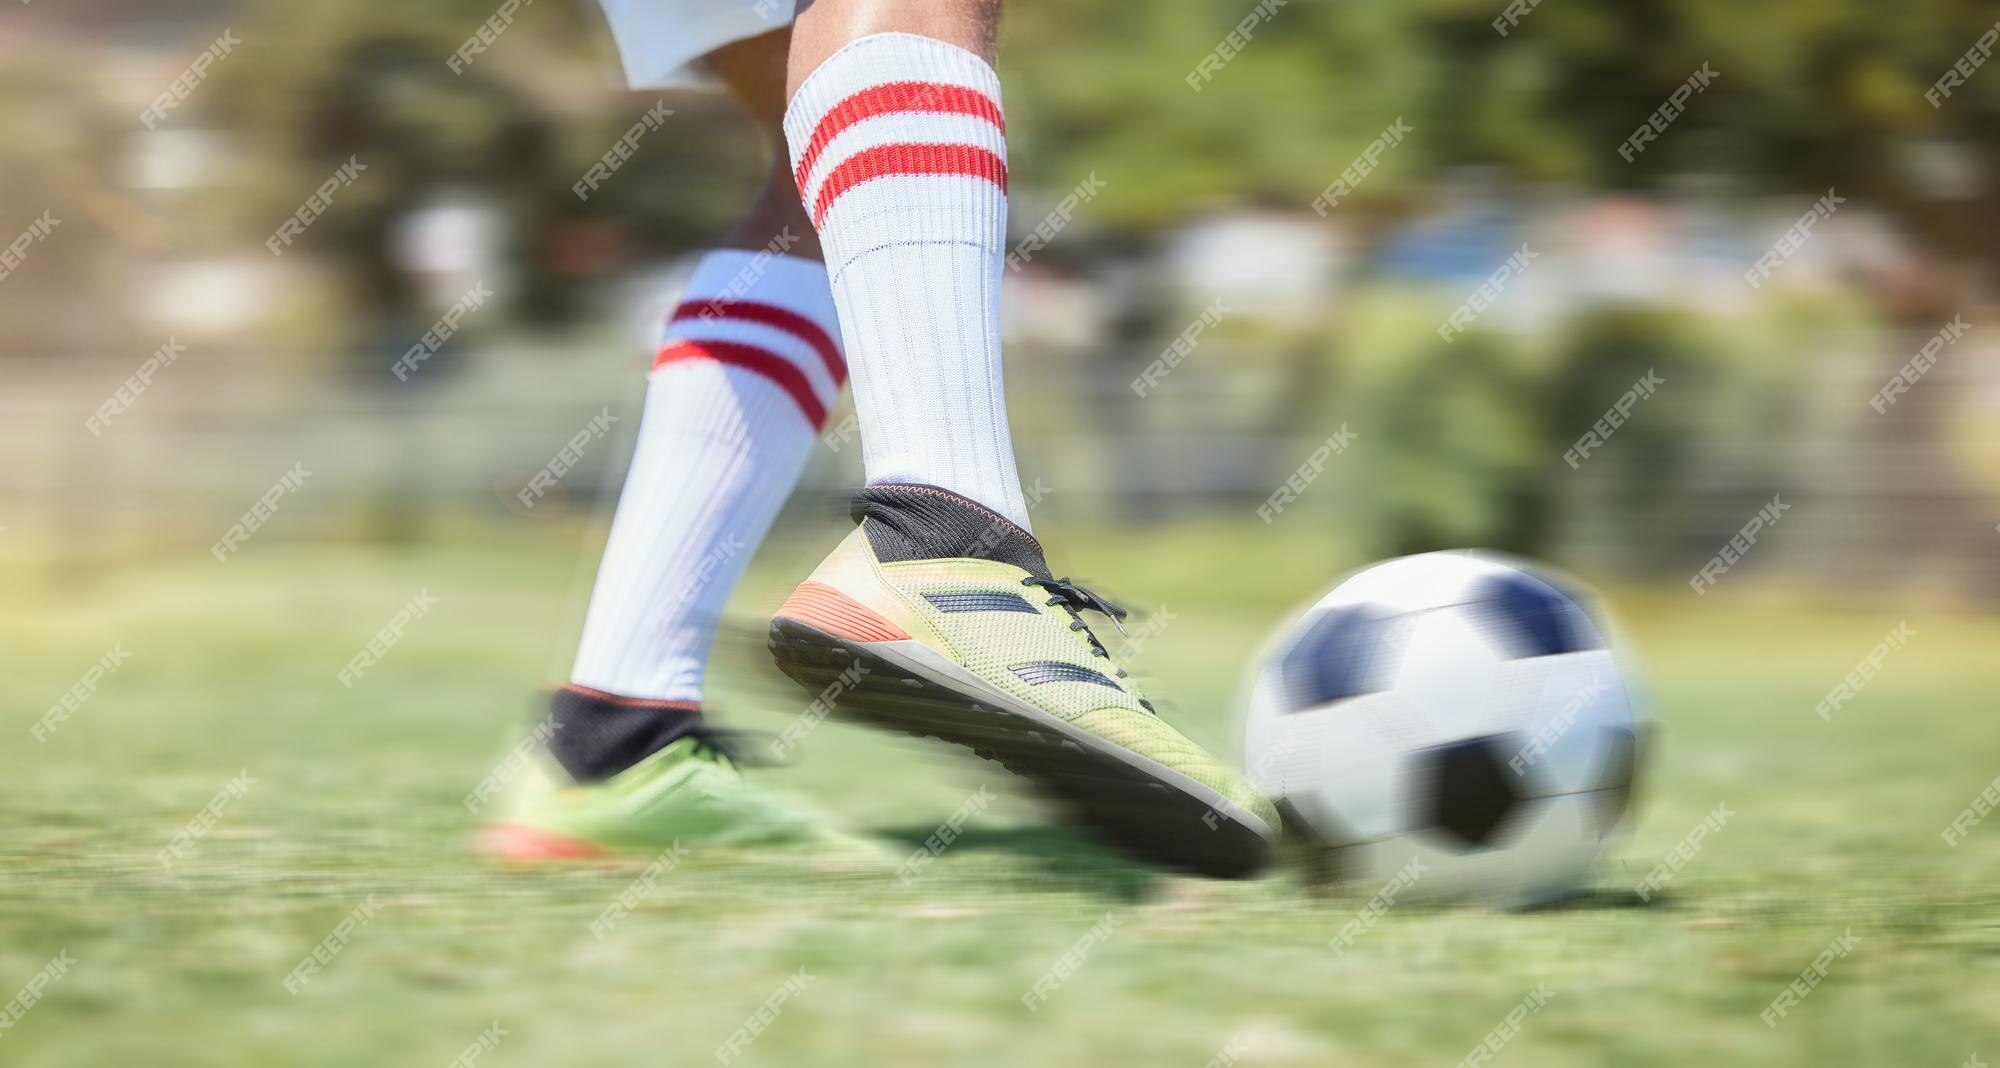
(1126, 805)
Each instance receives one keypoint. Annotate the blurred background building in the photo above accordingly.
(1202, 204)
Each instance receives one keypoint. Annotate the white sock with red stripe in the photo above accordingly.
(900, 152)
(749, 366)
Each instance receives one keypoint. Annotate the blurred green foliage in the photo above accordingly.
(1810, 93)
(1464, 443)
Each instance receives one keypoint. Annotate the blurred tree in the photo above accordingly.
(1809, 94)
(1314, 84)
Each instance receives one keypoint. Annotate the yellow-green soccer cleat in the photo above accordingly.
(939, 617)
(688, 795)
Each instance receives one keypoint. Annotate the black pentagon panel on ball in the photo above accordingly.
(1465, 793)
(1343, 653)
(1525, 616)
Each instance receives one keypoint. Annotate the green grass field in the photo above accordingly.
(358, 791)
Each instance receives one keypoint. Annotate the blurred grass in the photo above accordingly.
(358, 792)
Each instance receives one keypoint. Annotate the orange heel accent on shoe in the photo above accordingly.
(824, 608)
(516, 843)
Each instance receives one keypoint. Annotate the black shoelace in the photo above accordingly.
(1074, 598)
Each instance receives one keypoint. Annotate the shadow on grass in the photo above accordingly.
(1060, 859)
(1604, 899)
(1321, 876)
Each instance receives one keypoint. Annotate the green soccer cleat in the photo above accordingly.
(938, 617)
(685, 796)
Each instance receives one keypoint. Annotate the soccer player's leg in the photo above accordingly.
(940, 612)
(749, 365)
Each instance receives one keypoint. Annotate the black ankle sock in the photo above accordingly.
(911, 521)
(598, 734)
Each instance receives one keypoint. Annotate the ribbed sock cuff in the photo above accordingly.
(888, 108)
(595, 735)
(914, 522)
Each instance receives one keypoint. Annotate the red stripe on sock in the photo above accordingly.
(907, 159)
(890, 98)
(752, 311)
(763, 361)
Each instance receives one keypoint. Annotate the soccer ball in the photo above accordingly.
(1454, 723)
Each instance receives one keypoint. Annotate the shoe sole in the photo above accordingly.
(518, 843)
(1141, 805)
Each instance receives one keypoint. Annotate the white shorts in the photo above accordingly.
(661, 42)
